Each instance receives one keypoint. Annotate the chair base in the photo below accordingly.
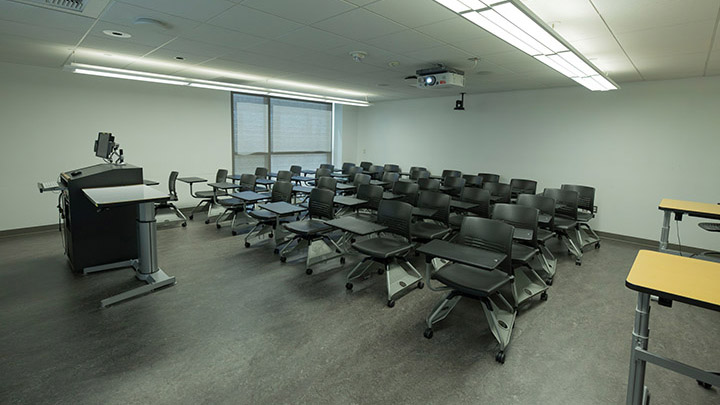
(400, 276)
(320, 249)
(528, 283)
(174, 209)
(587, 236)
(548, 262)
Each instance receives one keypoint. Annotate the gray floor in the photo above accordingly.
(240, 327)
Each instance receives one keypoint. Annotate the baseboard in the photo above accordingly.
(29, 230)
(648, 243)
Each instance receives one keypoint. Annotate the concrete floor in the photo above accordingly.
(242, 328)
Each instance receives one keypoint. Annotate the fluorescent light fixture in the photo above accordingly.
(205, 84)
(515, 24)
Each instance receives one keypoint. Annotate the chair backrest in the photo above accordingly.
(519, 216)
(322, 172)
(500, 190)
(419, 174)
(488, 234)
(408, 189)
(296, 170)
(586, 196)
(221, 176)
(327, 166)
(428, 184)
(321, 203)
(522, 186)
(281, 191)
(477, 196)
(413, 168)
(365, 165)
(346, 167)
(450, 173)
(566, 202)
(172, 189)
(284, 175)
(261, 173)
(391, 177)
(372, 194)
(457, 184)
(472, 180)
(361, 179)
(544, 204)
(438, 201)
(376, 172)
(490, 177)
(391, 168)
(328, 183)
(397, 216)
(247, 182)
(354, 171)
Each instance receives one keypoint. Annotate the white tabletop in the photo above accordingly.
(135, 194)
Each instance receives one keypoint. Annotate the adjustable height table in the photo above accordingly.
(146, 265)
(679, 208)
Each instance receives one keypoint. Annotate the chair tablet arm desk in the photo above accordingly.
(672, 278)
(146, 265)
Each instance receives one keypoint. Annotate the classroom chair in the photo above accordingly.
(172, 191)
(436, 227)
(565, 223)
(586, 212)
(546, 206)
(408, 190)
(208, 197)
(267, 221)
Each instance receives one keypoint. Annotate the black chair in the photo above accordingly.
(354, 171)
(389, 250)
(365, 165)
(375, 172)
(546, 206)
(327, 166)
(284, 175)
(172, 191)
(490, 177)
(499, 192)
(525, 251)
(453, 186)
(522, 186)
(437, 226)
(586, 212)
(565, 223)
(373, 195)
(472, 180)
(209, 197)
(476, 196)
(311, 232)
(320, 173)
(493, 288)
(267, 222)
(346, 167)
(408, 190)
(359, 180)
(328, 183)
(418, 168)
(390, 178)
(234, 205)
(296, 170)
(450, 173)
(416, 175)
(428, 184)
(261, 173)
(391, 168)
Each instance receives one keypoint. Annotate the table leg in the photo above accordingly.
(665, 233)
(641, 334)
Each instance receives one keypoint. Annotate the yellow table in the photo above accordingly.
(671, 278)
(679, 208)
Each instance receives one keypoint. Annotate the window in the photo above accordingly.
(277, 133)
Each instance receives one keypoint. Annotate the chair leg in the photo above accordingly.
(548, 261)
(198, 206)
(320, 251)
(573, 248)
(290, 247)
(528, 284)
(501, 319)
(592, 238)
(442, 309)
(178, 213)
(359, 270)
(401, 276)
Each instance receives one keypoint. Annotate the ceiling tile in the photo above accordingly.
(305, 12)
(404, 41)
(192, 10)
(668, 40)
(359, 25)
(247, 20)
(627, 16)
(453, 30)
(361, 2)
(141, 34)
(42, 17)
(573, 20)
(126, 14)
(481, 47)
(113, 46)
(223, 37)
(41, 34)
(713, 66)
(167, 57)
(411, 13)
(375, 56)
(671, 67)
(182, 46)
(313, 38)
(439, 54)
(25, 51)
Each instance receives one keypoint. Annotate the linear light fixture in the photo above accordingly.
(105, 71)
(515, 24)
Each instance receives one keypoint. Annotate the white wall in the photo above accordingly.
(637, 145)
(50, 119)
(349, 134)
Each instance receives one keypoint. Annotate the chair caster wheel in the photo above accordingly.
(500, 357)
(218, 226)
(234, 233)
(578, 263)
(342, 260)
(270, 236)
(597, 245)
(391, 303)
(283, 259)
(276, 251)
(184, 224)
(420, 285)
(549, 281)
(207, 221)
(247, 244)
(543, 296)
(428, 333)
(190, 217)
(704, 384)
(381, 271)
(308, 271)
(349, 286)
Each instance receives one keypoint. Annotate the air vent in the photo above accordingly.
(74, 5)
(93, 9)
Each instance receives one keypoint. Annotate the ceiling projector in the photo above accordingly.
(440, 76)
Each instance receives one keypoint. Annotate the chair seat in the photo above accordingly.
(230, 202)
(263, 215)
(382, 248)
(428, 230)
(522, 253)
(564, 223)
(584, 216)
(456, 220)
(308, 227)
(205, 194)
(543, 235)
(472, 280)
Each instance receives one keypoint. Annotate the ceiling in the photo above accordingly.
(305, 45)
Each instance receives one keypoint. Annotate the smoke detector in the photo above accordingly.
(358, 56)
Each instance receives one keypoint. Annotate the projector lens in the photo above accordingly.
(430, 80)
